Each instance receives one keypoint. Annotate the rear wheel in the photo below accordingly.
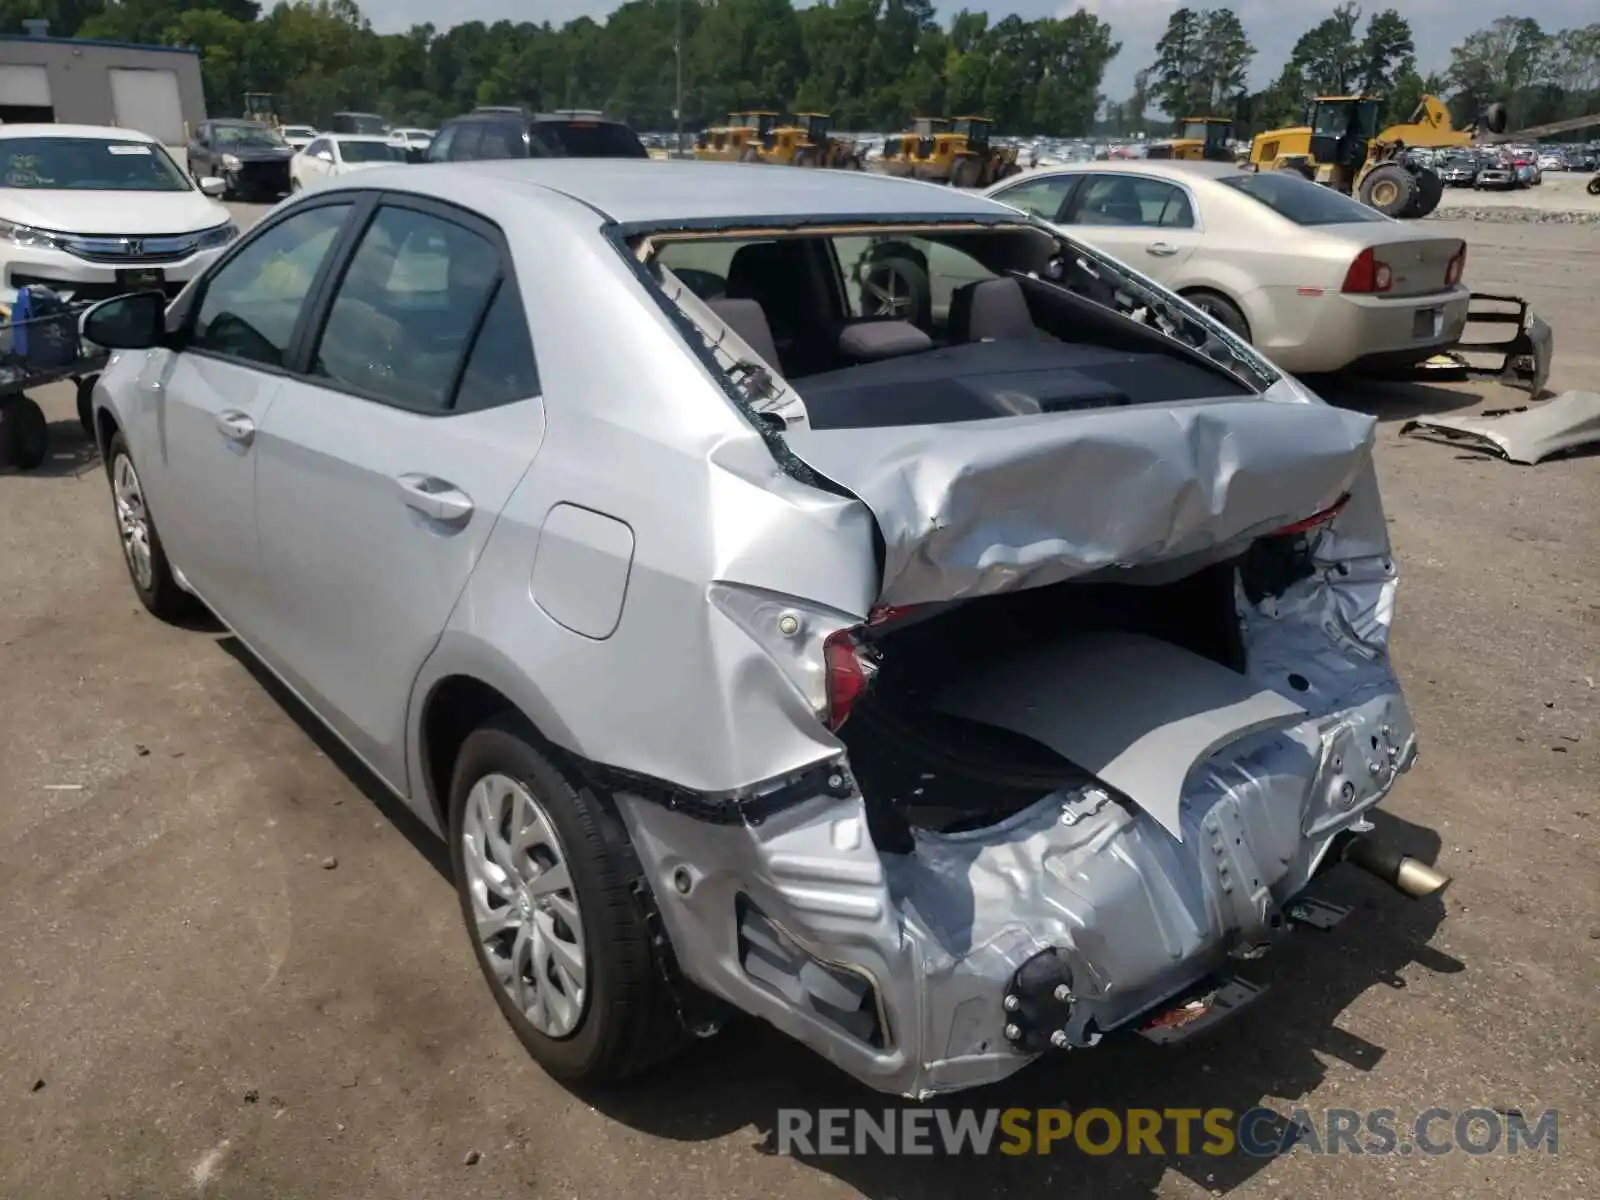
(545, 876)
(1593, 187)
(749, 154)
(806, 157)
(1222, 310)
(1390, 189)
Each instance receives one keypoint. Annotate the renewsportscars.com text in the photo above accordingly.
(1259, 1132)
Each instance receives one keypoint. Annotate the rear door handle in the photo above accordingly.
(437, 499)
(236, 427)
(1161, 249)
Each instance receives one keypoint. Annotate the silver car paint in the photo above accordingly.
(1526, 435)
(698, 684)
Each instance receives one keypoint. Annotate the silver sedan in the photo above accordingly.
(1315, 280)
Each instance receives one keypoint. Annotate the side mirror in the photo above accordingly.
(214, 187)
(137, 321)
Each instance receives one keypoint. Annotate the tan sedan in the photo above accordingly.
(1315, 280)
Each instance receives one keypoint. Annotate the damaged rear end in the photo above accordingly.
(1123, 690)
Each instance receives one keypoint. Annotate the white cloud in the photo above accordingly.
(1273, 25)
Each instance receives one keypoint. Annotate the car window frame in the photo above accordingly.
(1080, 193)
(327, 286)
(184, 312)
(1074, 182)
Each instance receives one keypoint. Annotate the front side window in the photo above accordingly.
(1041, 197)
(79, 164)
(404, 312)
(439, 148)
(253, 301)
(465, 146)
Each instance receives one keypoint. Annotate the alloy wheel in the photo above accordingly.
(133, 521)
(524, 907)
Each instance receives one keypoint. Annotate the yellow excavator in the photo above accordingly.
(1197, 139)
(955, 151)
(1343, 148)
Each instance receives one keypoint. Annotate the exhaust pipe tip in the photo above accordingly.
(1409, 876)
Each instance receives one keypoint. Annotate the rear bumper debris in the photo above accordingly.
(1520, 360)
(1521, 435)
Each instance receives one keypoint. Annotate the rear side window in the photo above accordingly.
(588, 139)
(500, 368)
(404, 312)
(1293, 196)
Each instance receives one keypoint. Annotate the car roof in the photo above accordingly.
(75, 131)
(382, 138)
(633, 191)
(1182, 170)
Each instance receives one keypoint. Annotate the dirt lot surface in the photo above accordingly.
(1561, 191)
(233, 969)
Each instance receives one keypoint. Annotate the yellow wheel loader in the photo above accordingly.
(1198, 138)
(957, 152)
(1344, 149)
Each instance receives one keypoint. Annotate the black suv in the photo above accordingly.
(517, 133)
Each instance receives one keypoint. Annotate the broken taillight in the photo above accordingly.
(1321, 517)
(1368, 275)
(850, 667)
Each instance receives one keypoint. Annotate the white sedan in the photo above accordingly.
(1315, 280)
(298, 136)
(90, 211)
(332, 155)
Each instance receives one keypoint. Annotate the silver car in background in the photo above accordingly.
(838, 598)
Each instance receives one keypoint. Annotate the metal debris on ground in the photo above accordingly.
(1526, 435)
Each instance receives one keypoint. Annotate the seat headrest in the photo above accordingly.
(872, 341)
(748, 321)
(989, 311)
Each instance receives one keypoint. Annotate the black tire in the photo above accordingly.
(1389, 188)
(1430, 190)
(86, 405)
(628, 1022)
(807, 157)
(1593, 186)
(161, 596)
(1494, 117)
(1303, 169)
(750, 155)
(966, 173)
(1222, 310)
(24, 433)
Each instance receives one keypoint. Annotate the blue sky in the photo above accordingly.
(1273, 24)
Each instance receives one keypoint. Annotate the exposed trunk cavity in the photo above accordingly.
(919, 765)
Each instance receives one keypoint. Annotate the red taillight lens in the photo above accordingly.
(849, 671)
(1321, 517)
(1368, 274)
(1456, 269)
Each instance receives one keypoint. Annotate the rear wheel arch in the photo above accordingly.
(1200, 293)
(106, 428)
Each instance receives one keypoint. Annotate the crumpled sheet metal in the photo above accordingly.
(975, 509)
(1524, 435)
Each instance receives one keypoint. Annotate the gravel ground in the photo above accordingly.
(1561, 199)
(198, 1004)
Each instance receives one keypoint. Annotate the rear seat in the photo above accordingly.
(749, 321)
